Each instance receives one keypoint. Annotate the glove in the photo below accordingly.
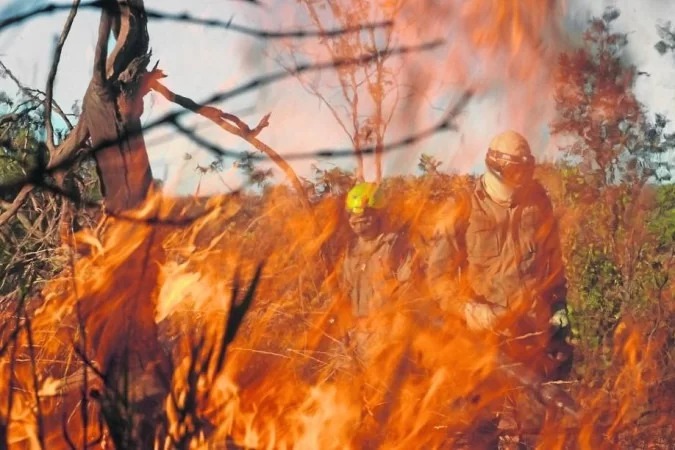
(559, 319)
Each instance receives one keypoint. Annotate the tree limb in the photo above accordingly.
(12, 117)
(447, 123)
(68, 149)
(68, 154)
(131, 36)
(241, 129)
(186, 18)
(33, 94)
(101, 51)
(49, 91)
(19, 200)
(346, 82)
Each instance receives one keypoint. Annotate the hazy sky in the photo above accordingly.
(200, 61)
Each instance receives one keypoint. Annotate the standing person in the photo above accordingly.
(378, 258)
(377, 265)
(375, 278)
(496, 262)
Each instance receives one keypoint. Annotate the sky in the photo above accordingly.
(513, 91)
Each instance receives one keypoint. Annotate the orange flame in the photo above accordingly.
(410, 376)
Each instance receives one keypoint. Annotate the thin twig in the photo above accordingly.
(445, 124)
(49, 91)
(16, 204)
(64, 159)
(35, 93)
(187, 18)
(219, 118)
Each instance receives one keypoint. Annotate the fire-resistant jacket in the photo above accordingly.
(503, 255)
(373, 271)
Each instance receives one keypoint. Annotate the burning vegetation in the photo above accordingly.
(529, 307)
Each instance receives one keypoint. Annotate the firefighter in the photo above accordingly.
(496, 262)
(376, 277)
(377, 265)
(378, 260)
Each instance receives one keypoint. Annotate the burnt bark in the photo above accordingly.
(112, 108)
(120, 329)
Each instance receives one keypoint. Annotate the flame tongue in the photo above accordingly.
(301, 372)
(289, 379)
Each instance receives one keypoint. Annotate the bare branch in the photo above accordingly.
(307, 86)
(34, 94)
(13, 77)
(376, 90)
(445, 124)
(49, 91)
(263, 34)
(16, 204)
(52, 8)
(131, 35)
(242, 130)
(346, 82)
(13, 117)
(68, 152)
(367, 126)
(101, 52)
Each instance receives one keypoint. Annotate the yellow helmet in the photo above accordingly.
(362, 196)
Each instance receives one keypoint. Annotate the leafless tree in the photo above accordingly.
(366, 96)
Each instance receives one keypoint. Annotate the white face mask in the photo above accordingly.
(498, 191)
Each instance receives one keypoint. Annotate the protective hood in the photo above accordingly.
(498, 191)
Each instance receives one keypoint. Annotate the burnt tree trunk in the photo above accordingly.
(121, 335)
(112, 108)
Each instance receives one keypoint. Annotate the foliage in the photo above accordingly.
(662, 222)
(30, 240)
(255, 175)
(667, 41)
(20, 151)
(617, 214)
(334, 181)
(613, 140)
(428, 164)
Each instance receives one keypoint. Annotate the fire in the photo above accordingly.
(286, 381)
(161, 291)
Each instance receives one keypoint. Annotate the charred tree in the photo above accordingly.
(121, 335)
(112, 107)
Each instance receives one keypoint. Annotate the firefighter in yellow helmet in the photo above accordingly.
(375, 276)
(496, 260)
(378, 259)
